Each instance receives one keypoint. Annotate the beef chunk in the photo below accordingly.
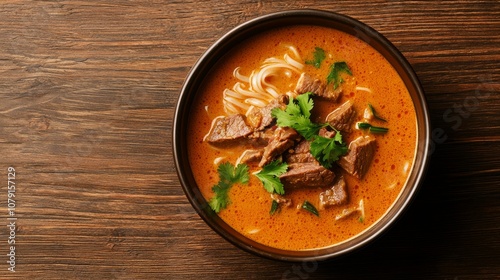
(306, 175)
(228, 130)
(284, 138)
(260, 118)
(336, 195)
(307, 83)
(357, 161)
(300, 153)
(250, 156)
(342, 117)
(324, 132)
(260, 138)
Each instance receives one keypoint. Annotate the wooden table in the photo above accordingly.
(88, 91)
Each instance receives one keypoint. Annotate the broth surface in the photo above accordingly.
(292, 228)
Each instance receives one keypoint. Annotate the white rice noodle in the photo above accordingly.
(255, 102)
(218, 160)
(293, 62)
(257, 89)
(238, 160)
(239, 76)
(363, 89)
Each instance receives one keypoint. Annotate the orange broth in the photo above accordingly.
(293, 228)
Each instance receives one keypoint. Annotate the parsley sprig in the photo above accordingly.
(228, 176)
(297, 116)
(269, 176)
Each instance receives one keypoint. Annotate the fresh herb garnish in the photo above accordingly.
(328, 150)
(371, 128)
(374, 113)
(319, 55)
(335, 70)
(228, 176)
(296, 115)
(269, 176)
(274, 207)
(309, 207)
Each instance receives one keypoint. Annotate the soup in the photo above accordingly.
(314, 176)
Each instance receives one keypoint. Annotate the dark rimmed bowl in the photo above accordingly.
(266, 22)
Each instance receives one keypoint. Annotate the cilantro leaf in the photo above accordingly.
(305, 103)
(220, 200)
(269, 176)
(335, 70)
(228, 176)
(328, 150)
(319, 55)
(296, 115)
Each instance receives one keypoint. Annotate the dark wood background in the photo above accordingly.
(87, 96)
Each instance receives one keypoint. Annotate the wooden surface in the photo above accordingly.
(87, 96)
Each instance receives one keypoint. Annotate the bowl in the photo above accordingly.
(193, 83)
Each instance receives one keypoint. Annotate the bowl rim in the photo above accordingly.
(284, 18)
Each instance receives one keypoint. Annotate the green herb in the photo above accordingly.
(269, 176)
(296, 115)
(228, 176)
(371, 128)
(335, 70)
(328, 150)
(309, 207)
(319, 56)
(274, 207)
(375, 115)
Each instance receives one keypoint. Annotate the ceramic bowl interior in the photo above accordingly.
(248, 29)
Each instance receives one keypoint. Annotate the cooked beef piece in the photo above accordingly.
(324, 132)
(249, 156)
(300, 153)
(228, 130)
(357, 161)
(281, 200)
(306, 175)
(335, 195)
(342, 117)
(260, 138)
(307, 83)
(284, 138)
(260, 118)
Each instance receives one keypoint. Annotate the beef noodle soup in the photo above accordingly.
(302, 137)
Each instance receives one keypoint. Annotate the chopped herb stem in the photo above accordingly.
(375, 115)
(371, 128)
(376, 129)
(363, 125)
(274, 207)
(309, 207)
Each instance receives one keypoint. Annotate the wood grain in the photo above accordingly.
(88, 91)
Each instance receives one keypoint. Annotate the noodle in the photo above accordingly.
(256, 90)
